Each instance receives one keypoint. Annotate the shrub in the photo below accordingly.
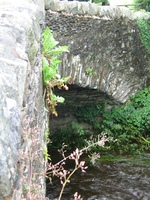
(130, 124)
(88, 113)
(143, 4)
(73, 136)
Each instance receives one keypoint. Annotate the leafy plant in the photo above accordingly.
(50, 62)
(88, 113)
(143, 4)
(89, 71)
(130, 124)
(144, 26)
(73, 136)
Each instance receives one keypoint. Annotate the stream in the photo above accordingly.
(111, 178)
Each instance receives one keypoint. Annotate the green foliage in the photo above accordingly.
(48, 42)
(90, 72)
(46, 154)
(45, 150)
(49, 71)
(50, 57)
(72, 137)
(130, 124)
(50, 48)
(87, 113)
(143, 4)
(144, 26)
(50, 62)
(25, 188)
(106, 2)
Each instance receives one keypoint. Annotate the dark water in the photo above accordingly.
(112, 178)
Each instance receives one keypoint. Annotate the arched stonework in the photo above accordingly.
(105, 50)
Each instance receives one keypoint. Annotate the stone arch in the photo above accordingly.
(105, 51)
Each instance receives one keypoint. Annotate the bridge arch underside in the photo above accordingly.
(104, 54)
(76, 98)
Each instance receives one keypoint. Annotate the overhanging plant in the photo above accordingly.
(50, 62)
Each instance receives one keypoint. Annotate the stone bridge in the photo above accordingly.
(105, 50)
(106, 55)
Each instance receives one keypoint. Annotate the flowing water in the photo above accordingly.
(112, 178)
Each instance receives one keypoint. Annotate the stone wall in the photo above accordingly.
(21, 104)
(106, 52)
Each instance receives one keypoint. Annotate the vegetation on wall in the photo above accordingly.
(51, 78)
(144, 26)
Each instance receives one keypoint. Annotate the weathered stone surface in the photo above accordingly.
(20, 88)
(91, 9)
(105, 51)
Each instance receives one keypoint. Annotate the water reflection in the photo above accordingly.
(119, 179)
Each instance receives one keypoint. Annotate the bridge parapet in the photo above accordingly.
(92, 9)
